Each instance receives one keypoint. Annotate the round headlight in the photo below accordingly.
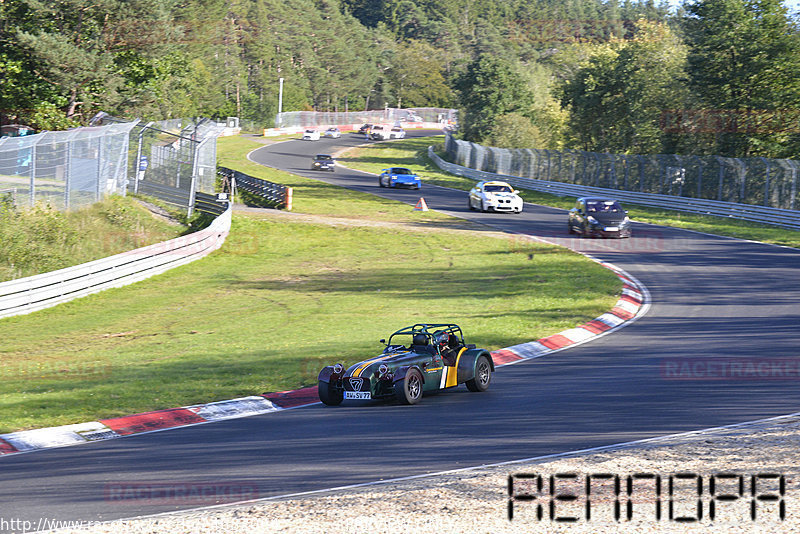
(383, 368)
(338, 368)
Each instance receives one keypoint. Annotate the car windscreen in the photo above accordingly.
(322, 157)
(400, 170)
(603, 206)
(497, 189)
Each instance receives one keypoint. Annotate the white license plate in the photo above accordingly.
(358, 395)
(612, 228)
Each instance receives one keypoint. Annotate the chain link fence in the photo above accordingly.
(172, 160)
(758, 181)
(310, 119)
(67, 170)
(175, 159)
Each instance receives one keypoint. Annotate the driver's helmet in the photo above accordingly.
(419, 339)
(440, 337)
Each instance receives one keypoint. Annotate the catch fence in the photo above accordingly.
(68, 169)
(171, 160)
(757, 181)
(311, 119)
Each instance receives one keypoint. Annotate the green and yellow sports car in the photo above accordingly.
(417, 359)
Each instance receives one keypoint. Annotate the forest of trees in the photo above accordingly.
(630, 76)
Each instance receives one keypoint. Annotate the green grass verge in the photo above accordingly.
(318, 198)
(283, 297)
(43, 239)
(413, 153)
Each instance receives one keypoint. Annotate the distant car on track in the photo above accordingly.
(333, 133)
(323, 162)
(399, 177)
(379, 132)
(495, 196)
(397, 133)
(311, 135)
(594, 216)
(417, 359)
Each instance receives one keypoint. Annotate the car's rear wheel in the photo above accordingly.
(328, 394)
(409, 390)
(483, 375)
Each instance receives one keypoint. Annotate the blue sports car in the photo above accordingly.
(399, 177)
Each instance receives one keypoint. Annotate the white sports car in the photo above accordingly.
(334, 133)
(495, 196)
(311, 135)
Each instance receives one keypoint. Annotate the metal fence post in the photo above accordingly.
(138, 163)
(32, 193)
(68, 174)
(721, 176)
(766, 182)
(700, 164)
(195, 166)
(100, 155)
(742, 168)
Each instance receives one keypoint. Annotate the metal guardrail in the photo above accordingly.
(275, 195)
(174, 196)
(210, 204)
(26, 295)
(748, 212)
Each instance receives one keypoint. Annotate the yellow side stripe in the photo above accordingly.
(452, 372)
(367, 363)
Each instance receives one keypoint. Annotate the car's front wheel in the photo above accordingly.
(409, 389)
(328, 394)
(380, 181)
(469, 204)
(483, 375)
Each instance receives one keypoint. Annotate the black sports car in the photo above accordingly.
(593, 216)
(323, 162)
(417, 359)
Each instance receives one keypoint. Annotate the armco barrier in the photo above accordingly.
(275, 195)
(748, 212)
(26, 295)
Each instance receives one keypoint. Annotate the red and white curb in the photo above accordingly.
(632, 304)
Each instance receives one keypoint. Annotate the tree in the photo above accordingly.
(744, 57)
(617, 99)
(515, 130)
(415, 76)
(488, 89)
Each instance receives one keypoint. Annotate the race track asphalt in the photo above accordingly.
(714, 299)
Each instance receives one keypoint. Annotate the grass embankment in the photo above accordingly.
(413, 153)
(43, 239)
(282, 298)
